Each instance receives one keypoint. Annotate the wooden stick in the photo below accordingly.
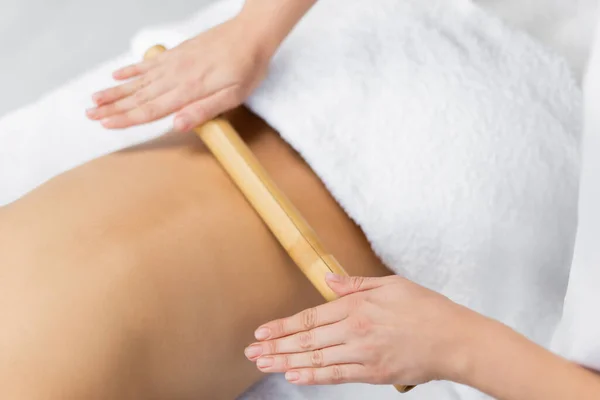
(276, 210)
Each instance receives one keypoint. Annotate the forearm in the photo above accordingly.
(272, 21)
(507, 366)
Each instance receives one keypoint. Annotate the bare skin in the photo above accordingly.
(143, 274)
(204, 76)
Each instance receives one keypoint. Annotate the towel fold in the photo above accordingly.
(451, 139)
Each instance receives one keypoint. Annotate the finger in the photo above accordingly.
(131, 71)
(118, 92)
(318, 338)
(319, 358)
(345, 285)
(136, 99)
(148, 112)
(332, 375)
(207, 108)
(310, 318)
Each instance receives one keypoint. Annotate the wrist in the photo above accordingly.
(262, 41)
(493, 358)
(267, 22)
(472, 336)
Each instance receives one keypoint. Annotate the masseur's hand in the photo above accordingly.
(201, 78)
(381, 331)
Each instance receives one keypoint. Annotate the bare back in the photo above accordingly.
(143, 274)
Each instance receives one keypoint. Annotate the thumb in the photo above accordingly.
(345, 285)
(206, 109)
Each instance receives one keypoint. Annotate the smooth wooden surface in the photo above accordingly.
(276, 210)
(286, 223)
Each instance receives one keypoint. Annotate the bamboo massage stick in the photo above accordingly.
(275, 209)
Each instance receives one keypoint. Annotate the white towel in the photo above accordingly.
(568, 26)
(451, 139)
(578, 337)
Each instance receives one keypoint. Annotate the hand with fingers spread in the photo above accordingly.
(381, 331)
(392, 331)
(203, 77)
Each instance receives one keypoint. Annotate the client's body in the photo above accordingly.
(143, 274)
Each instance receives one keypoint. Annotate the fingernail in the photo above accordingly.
(262, 334)
(181, 123)
(330, 276)
(292, 376)
(105, 122)
(97, 98)
(253, 351)
(91, 111)
(265, 362)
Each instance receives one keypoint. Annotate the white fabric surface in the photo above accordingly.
(472, 129)
(567, 26)
(578, 337)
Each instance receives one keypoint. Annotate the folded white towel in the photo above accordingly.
(451, 140)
